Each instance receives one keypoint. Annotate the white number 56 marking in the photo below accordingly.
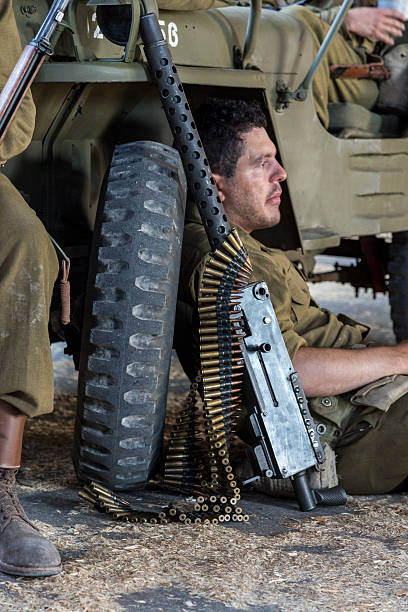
(172, 32)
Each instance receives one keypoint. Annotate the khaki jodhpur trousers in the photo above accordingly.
(28, 269)
(325, 89)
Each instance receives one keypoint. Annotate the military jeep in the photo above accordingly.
(102, 175)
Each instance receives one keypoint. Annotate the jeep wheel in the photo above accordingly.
(129, 317)
(398, 284)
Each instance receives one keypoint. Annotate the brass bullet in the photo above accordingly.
(208, 300)
(234, 239)
(178, 456)
(87, 496)
(222, 377)
(211, 387)
(218, 264)
(205, 309)
(220, 255)
(211, 271)
(229, 248)
(204, 331)
(210, 282)
(217, 419)
(213, 403)
(205, 316)
(213, 411)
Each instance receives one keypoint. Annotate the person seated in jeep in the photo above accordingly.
(364, 30)
(368, 431)
(28, 269)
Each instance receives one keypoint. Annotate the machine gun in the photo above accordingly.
(286, 439)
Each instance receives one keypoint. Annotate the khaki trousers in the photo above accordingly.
(371, 446)
(325, 89)
(28, 269)
(373, 459)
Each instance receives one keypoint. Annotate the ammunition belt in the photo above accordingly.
(197, 463)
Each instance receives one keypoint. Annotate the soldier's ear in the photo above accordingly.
(220, 182)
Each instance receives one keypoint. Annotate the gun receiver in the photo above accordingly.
(287, 442)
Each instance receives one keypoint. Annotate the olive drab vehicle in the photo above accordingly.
(102, 175)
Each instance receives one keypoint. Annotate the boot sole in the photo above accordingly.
(33, 572)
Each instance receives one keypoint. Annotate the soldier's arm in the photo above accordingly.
(331, 371)
(21, 130)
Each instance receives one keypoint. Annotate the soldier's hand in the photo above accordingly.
(370, 22)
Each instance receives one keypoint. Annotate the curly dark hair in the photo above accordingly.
(220, 124)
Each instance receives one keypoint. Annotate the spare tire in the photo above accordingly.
(129, 317)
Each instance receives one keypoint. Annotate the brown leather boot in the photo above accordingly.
(23, 550)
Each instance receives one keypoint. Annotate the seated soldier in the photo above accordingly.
(363, 29)
(369, 440)
(28, 269)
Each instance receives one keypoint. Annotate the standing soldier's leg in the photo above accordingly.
(28, 269)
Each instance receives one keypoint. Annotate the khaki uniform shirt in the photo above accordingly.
(301, 320)
(21, 130)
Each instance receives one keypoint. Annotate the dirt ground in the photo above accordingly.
(353, 558)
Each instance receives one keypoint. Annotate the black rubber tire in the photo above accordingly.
(398, 284)
(129, 317)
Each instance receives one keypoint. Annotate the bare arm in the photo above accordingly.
(330, 371)
(371, 22)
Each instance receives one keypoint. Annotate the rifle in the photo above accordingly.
(286, 440)
(29, 63)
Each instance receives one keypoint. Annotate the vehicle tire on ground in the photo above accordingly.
(398, 284)
(129, 317)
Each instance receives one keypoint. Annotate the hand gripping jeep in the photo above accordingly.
(102, 175)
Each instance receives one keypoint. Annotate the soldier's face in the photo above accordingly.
(252, 196)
